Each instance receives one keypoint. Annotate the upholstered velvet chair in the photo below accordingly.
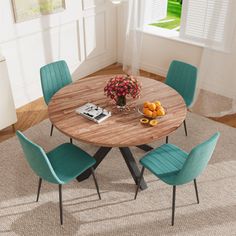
(54, 76)
(59, 166)
(182, 77)
(175, 167)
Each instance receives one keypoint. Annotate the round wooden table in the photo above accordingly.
(122, 129)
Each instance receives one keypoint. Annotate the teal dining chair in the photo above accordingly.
(175, 167)
(54, 76)
(182, 77)
(59, 166)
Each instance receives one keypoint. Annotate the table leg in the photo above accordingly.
(99, 156)
(132, 165)
(145, 147)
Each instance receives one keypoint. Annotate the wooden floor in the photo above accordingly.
(36, 111)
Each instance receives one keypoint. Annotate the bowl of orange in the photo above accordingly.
(152, 109)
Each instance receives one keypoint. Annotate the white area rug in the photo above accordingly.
(117, 213)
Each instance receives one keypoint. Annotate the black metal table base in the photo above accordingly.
(99, 156)
(145, 147)
(132, 165)
(129, 160)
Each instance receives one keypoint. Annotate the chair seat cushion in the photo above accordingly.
(69, 161)
(166, 160)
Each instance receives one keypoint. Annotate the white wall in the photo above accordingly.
(84, 35)
(157, 51)
(219, 69)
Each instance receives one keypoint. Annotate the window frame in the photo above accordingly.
(182, 37)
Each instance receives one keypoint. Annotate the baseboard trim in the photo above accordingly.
(226, 92)
(153, 69)
(150, 68)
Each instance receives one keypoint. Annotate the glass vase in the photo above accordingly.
(121, 102)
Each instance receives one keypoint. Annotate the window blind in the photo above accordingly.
(206, 21)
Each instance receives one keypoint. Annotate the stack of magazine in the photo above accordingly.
(93, 112)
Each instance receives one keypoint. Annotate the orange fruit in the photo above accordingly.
(147, 112)
(158, 103)
(144, 121)
(158, 107)
(153, 122)
(154, 114)
(152, 106)
(145, 104)
(161, 112)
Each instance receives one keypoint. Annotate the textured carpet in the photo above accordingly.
(117, 213)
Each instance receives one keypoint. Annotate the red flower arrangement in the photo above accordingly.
(121, 86)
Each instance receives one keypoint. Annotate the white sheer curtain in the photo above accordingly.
(133, 37)
(139, 12)
(217, 72)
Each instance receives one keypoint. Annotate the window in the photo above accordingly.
(170, 16)
(206, 21)
(201, 21)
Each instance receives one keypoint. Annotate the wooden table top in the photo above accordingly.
(122, 129)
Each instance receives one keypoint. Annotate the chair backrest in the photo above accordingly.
(37, 159)
(54, 76)
(183, 77)
(197, 160)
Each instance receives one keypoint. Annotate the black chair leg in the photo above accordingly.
(167, 139)
(185, 128)
(71, 141)
(173, 206)
(60, 203)
(96, 183)
(195, 185)
(39, 187)
(52, 126)
(139, 182)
